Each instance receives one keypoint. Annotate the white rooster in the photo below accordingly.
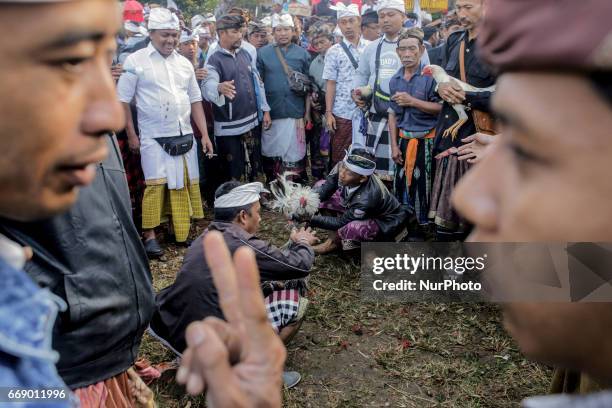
(293, 198)
(442, 77)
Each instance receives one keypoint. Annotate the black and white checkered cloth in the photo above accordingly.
(282, 307)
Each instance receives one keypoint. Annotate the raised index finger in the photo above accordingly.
(224, 275)
(252, 301)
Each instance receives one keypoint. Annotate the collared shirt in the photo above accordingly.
(421, 87)
(164, 89)
(284, 103)
(338, 67)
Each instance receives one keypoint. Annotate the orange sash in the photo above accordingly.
(411, 152)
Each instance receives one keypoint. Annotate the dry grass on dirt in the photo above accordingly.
(355, 353)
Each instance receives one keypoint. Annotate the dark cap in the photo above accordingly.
(574, 35)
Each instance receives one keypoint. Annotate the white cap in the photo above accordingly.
(346, 11)
(282, 20)
(210, 18)
(132, 27)
(391, 4)
(163, 19)
(267, 21)
(202, 32)
(187, 37)
(196, 21)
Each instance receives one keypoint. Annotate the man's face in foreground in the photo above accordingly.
(548, 179)
(58, 102)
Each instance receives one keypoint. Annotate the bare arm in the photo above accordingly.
(393, 133)
(330, 97)
(197, 113)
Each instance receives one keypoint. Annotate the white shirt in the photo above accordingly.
(164, 89)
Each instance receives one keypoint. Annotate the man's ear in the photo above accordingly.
(240, 218)
(363, 179)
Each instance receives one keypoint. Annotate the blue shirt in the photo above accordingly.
(283, 102)
(421, 87)
(27, 316)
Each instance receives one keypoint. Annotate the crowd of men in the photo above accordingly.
(391, 122)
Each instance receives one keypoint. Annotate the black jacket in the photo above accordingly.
(193, 296)
(367, 202)
(478, 74)
(92, 257)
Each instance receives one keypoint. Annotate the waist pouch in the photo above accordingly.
(176, 145)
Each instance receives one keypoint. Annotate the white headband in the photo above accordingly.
(356, 169)
(163, 19)
(392, 4)
(346, 11)
(241, 195)
(359, 170)
(282, 20)
(187, 37)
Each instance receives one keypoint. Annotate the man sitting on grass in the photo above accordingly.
(193, 295)
(366, 210)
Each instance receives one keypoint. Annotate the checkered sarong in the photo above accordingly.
(282, 307)
(378, 141)
(182, 205)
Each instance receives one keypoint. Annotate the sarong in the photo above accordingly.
(340, 140)
(135, 178)
(114, 392)
(447, 172)
(377, 141)
(319, 153)
(283, 307)
(182, 205)
(355, 232)
(283, 148)
(412, 184)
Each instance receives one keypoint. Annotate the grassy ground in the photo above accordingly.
(355, 353)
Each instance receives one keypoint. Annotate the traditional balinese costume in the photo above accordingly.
(378, 63)
(164, 89)
(193, 295)
(412, 184)
(366, 212)
(283, 145)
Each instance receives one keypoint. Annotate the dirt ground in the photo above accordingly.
(357, 353)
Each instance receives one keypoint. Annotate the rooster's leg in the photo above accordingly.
(454, 128)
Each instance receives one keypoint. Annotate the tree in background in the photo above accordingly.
(192, 7)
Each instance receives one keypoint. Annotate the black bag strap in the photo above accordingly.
(279, 54)
(349, 54)
(377, 68)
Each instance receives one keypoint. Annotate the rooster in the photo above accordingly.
(293, 199)
(442, 77)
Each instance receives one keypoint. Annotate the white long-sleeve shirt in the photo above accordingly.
(164, 89)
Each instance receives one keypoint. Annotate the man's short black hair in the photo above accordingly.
(229, 214)
(230, 21)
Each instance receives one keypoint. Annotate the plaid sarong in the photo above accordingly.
(282, 307)
(378, 142)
